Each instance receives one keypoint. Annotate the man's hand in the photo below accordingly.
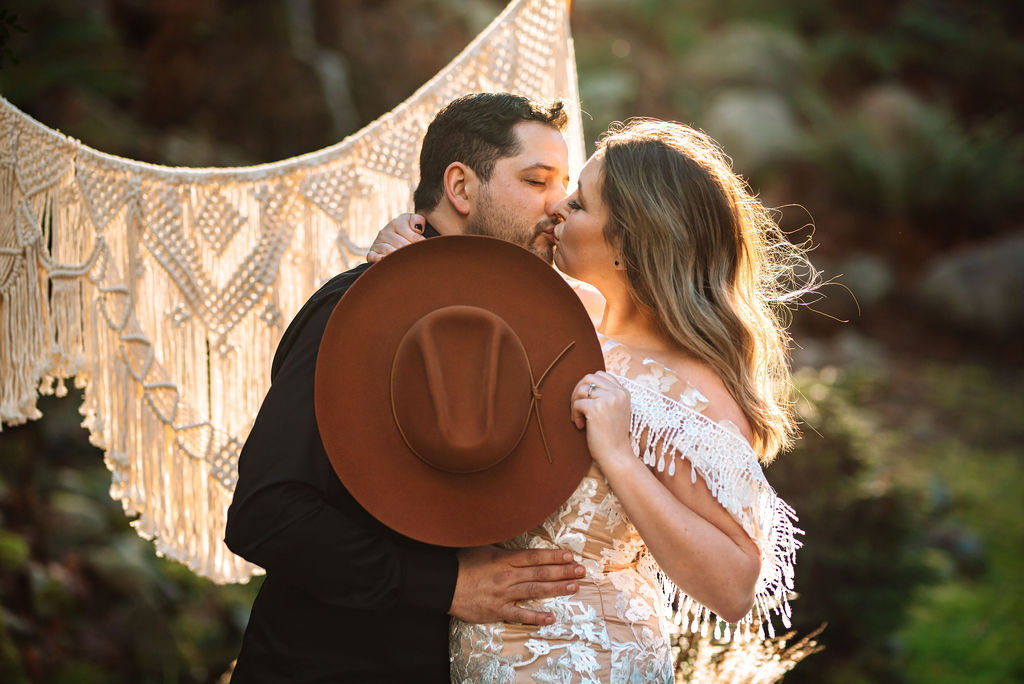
(492, 579)
(401, 231)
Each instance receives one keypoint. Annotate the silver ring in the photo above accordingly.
(590, 390)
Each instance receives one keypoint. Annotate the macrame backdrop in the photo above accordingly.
(164, 291)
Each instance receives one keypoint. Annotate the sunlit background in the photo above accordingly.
(890, 130)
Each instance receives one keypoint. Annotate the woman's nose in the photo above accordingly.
(558, 209)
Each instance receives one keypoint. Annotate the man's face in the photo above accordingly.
(516, 203)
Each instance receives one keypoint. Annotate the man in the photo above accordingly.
(345, 598)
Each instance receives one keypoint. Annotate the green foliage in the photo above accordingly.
(73, 47)
(900, 156)
(82, 597)
(13, 551)
(8, 23)
(914, 510)
(967, 627)
(862, 554)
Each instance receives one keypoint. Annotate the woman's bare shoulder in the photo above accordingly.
(721, 405)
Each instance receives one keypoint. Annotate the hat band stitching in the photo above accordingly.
(534, 408)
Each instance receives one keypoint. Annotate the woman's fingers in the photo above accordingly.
(602, 405)
(412, 230)
(577, 415)
(588, 390)
(394, 239)
(383, 245)
(595, 385)
(580, 393)
(378, 252)
(400, 232)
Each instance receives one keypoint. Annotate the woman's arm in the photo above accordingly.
(694, 539)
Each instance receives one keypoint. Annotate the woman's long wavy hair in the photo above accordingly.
(708, 259)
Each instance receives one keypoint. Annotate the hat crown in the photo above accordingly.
(461, 389)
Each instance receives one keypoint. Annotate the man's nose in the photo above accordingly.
(556, 207)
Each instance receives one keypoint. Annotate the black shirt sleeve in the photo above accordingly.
(292, 516)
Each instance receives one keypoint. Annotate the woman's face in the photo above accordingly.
(581, 250)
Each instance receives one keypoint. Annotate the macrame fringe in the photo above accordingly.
(164, 291)
(664, 432)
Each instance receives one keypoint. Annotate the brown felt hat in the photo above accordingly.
(443, 388)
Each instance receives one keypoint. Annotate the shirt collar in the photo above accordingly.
(429, 231)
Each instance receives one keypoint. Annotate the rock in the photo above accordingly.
(871, 152)
(981, 288)
(892, 115)
(608, 89)
(746, 56)
(849, 350)
(755, 127)
(869, 278)
(809, 352)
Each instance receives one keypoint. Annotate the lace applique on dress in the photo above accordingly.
(617, 627)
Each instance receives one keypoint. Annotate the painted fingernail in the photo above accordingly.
(580, 571)
(571, 588)
(567, 556)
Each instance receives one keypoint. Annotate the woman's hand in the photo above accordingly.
(601, 404)
(400, 232)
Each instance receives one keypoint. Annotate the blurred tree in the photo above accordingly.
(864, 539)
(82, 597)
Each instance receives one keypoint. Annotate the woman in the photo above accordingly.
(688, 263)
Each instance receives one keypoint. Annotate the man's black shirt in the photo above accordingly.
(345, 599)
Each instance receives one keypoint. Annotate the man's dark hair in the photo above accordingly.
(476, 130)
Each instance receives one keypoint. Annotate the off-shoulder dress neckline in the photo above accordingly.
(688, 394)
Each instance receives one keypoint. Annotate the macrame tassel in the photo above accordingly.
(22, 330)
(23, 344)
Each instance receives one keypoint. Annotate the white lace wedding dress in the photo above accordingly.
(617, 627)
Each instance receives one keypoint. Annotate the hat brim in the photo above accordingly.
(353, 403)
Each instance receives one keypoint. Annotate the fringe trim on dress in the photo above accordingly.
(674, 432)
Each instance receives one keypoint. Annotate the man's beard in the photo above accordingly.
(504, 225)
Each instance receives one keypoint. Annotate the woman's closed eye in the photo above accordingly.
(574, 205)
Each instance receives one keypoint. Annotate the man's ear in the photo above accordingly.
(460, 184)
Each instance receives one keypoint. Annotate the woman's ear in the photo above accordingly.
(460, 187)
